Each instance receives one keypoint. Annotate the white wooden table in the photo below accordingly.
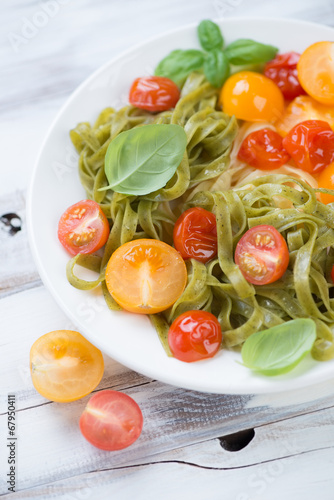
(188, 447)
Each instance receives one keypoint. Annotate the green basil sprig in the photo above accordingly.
(215, 61)
(216, 67)
(179, 63)
(209, 35)
(144, 159)
(245, 51)
(280, 348)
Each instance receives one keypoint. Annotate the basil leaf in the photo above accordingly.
(209, 35)
(216, 67)
(245, 51)
(179, 63)
(280, 348)
(143, 159)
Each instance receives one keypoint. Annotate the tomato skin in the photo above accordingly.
(283, 71)
(83, 228)
(251, 96)
(332, 274)
(111, 420)
(146, 276)
(194, 335)
(263, 149)
(195, 234)
(65, 366)
(154, 93)
(262, 255)
(316, 71)
(326, 181)
(311, 145)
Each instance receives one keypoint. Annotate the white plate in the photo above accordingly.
(129, 338)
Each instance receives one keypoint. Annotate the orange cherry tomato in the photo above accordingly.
(111, 420)
(146, 276)
(311, 145)
(316, 71)
(262, 255)
(253, 97)
(326, 181)
(195, 234)
(263, 149)
(65, 366)
(283, 71)
(154, 93)
(301, 109)
(194, 335)
(83, 228)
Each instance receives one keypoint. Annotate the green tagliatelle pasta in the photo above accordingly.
(288, 204)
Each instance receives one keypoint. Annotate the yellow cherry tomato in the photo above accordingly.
(316, 71)
(146, 276)
(301, 109)
(326, 181)
(65, 366)
(251, 96)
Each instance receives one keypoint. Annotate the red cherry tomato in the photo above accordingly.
(332, 274)
(111, 420)
(263, 149)
(154, 93)
(194, 335)
(283, 71)
(83, 228)
(311, 145)
(195, 234)
(262, 255)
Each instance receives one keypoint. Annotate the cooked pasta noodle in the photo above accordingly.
(283, 199)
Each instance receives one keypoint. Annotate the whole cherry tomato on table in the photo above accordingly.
(111, 420)
(83, 228)
(263, 149)
(283, 71)
(194, 335)
(154, 93)
(311, 145)
(262, 255)
(195, 234)
(316, 71)
(252, 96)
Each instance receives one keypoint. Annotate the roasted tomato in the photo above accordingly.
(83, 228)
(253, 97)
(326, 181)
(311, 145)
(154, 93)
(195, 335)
(316, 71)
(283, 71)
(263, 149)
(195, 234)
(262, 255)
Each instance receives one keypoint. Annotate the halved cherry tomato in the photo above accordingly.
(316, 71)
(262, 255)
(326, 181)
(65, 366)
(251, 96)
(194, 335)
(154, 93)
(111, 420)
(146, 276)
(83, 228)
(195, 234)
(311, 145)
(301, 109)
(263, 149)
(283, 71)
